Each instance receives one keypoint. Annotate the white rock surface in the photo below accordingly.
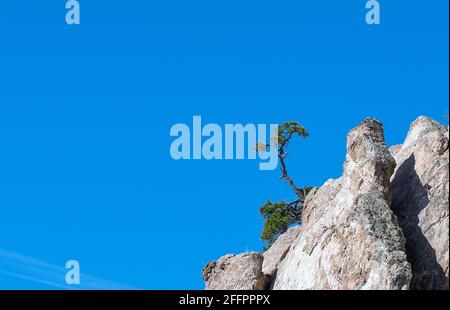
(276, 253)
(350, 239)
(420, 189)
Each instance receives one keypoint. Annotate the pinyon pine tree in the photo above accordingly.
(279, 216)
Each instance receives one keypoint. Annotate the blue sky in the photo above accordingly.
(85, 115)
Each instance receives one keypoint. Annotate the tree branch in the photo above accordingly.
(281, 156)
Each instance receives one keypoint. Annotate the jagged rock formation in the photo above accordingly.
(350, 237)
(235, 272)
(420, 188)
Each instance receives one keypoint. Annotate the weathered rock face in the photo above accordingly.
(235, 272)
(349, 238)
(383, 225)
(420, 189)
(276, 253)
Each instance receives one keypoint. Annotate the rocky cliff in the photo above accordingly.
(420, 187)
(382, 225)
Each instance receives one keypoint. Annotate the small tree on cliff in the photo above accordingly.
(279, 216)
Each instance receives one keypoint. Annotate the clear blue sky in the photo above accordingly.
(85, 114)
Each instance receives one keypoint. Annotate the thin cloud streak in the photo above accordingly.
(34, 270)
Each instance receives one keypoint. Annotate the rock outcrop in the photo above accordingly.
(276, 253)
(382, 225)
(235, 272)
(349, 238)
(420, 189)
